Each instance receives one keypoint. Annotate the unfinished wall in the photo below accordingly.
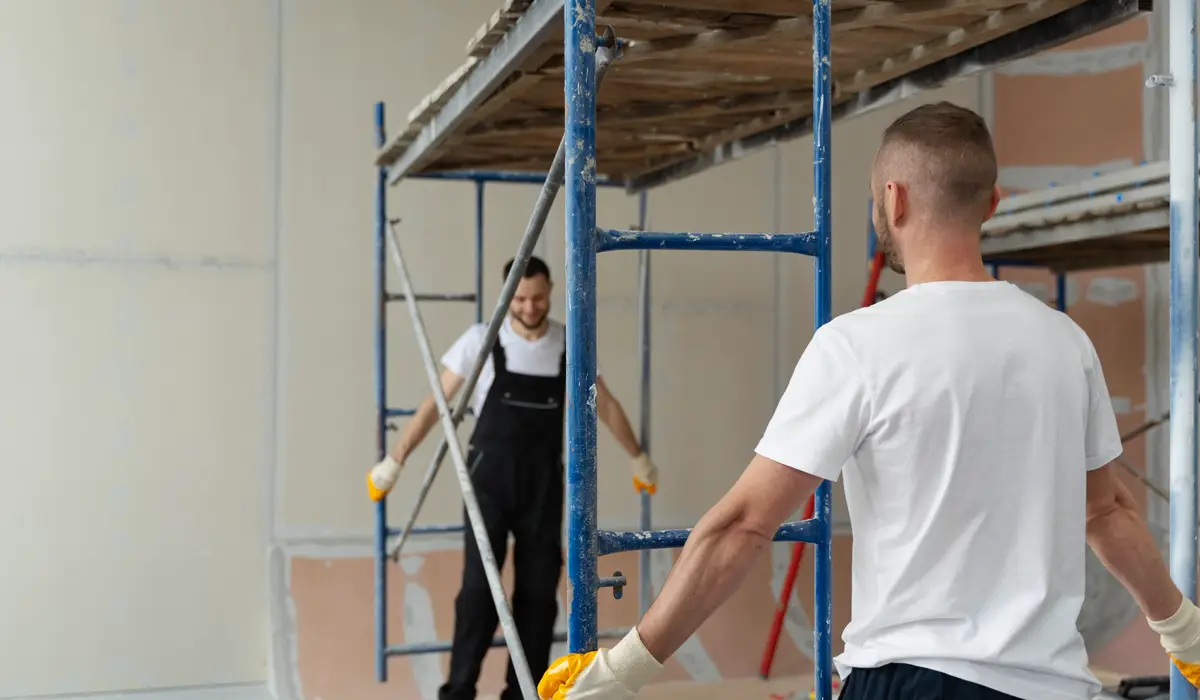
(137, 269)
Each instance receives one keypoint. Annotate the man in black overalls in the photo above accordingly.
(516, 468)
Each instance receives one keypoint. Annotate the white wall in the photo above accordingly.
(137, 269)
(186, 209)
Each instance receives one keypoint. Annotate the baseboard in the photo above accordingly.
(230, 691)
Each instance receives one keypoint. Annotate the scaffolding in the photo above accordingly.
(460, 132)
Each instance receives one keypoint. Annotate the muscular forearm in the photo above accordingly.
(718, 555)
(1121, 540)
(613, 416)
(422, 421)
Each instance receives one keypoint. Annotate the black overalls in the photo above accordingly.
(515, 464)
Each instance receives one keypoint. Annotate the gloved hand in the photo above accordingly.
(608, 674)
(382, 478)
(1180, 637)
(645, 474)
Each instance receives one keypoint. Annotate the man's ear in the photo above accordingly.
(895, 197)
(997, 195)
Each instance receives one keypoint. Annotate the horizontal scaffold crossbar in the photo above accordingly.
(425, 530)
(443, 647)
(627, 239)
(501, 176)
(609, 542)
(433, 296)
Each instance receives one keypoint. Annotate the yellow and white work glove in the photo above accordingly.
(645, 474)
(608, 674)
(382, 478)
(1179, 635)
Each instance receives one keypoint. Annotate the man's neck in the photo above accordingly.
(529, 333)
(947, 257)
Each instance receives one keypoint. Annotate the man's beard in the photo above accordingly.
(540, 322)
(884, 241)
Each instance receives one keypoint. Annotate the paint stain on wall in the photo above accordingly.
(1111, 291)
(334, 624)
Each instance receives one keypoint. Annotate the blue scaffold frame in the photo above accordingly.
(585, 542)
(578, 174)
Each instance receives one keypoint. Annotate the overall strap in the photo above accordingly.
(499, 359)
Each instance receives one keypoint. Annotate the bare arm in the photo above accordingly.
(1120, 538)
(425, 418)
(721, 550)
(610, 412)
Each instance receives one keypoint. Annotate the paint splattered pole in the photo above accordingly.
(579, 24)
(1184, 307)
(822, 219)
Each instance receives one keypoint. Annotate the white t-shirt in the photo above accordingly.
(539, 357)
(963, 417)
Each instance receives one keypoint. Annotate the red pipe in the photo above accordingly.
(873, 280)
(789, 581)
(785, 596)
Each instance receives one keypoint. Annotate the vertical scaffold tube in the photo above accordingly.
(479, 251)
(381, 398)
(645, 587)
(822, 218)
(1184, 308)
(580, 136)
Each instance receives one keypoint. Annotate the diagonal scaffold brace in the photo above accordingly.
(516, 651)
(605, 54)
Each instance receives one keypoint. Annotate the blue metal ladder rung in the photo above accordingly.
(444, 647)
(811, 530)
(425, 530)
(432, 296)
(398, 412)
(806, 243)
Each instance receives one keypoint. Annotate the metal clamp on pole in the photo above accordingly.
(474, 514)
(616, 582)
(533, 230)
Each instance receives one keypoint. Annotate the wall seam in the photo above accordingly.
(276, 590)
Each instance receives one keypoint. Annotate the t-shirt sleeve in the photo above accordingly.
(824, 412)
(1103, 438)
(460, 358)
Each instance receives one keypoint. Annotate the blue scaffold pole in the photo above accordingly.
(580, 91)
(479, 184)
(822, 219)
(381, 530)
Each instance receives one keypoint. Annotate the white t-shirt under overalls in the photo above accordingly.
(540, 357)
(963, 417)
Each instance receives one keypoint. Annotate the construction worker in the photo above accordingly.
(516, 468)
(974, 430)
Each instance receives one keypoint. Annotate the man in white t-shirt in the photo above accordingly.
(515, 462)
(974, 432)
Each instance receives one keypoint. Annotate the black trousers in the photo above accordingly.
(522, 494)
(905, 682)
